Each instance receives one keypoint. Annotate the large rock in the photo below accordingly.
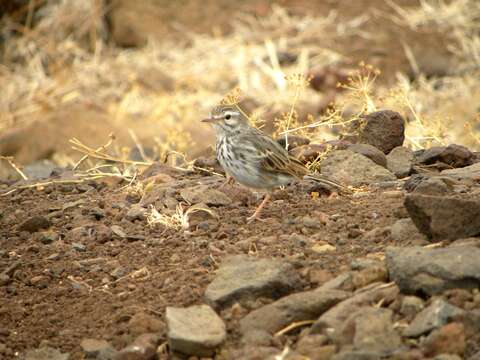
(371, 329)
(453, 155)
(371, 152)
(441, 217)
(434, 316)
(241, 277)
(351, 168)
(405, 231)
(471, 172)
(333, 320)
(449, 339)
(296, 307)
(432, 271)
(383, 129)
(196, 330)
(400, 161)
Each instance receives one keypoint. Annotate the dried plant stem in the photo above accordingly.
(292, 326)
(9, 159)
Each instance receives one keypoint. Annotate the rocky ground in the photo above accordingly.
(391, 271)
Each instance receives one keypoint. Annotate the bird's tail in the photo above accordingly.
(330, 183)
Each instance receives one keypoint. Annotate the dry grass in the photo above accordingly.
(65, 59)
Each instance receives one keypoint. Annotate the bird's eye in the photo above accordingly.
(228, 116)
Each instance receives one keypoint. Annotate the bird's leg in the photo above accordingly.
(229, 181)
(256, 214)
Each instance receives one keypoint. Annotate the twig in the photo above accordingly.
(292, 326)
(9, 159)
(137, 144)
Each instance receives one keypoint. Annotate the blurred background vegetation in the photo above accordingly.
(148, 71)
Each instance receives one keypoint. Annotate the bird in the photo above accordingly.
(254, 159)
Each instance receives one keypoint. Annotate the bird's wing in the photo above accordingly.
(270, 155)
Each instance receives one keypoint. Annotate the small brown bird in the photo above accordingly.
(253, 158)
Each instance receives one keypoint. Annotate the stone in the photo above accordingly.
(308, 345)
(79, 247)
(371, 329)
(205, 195)
(351, 168)
(437, 314)
(47, 237)
(371, 152)
(241, 277)
(384, 129)
(39, 281)
(404, 231)
(144, 347)
(357, 355)
(311, 152)
(317, 352)
(432, 271)
(196, 330)
(367, 276)
(471, 172)
(453, 155)
(46, 353)
(320, 248)
(400, 161)
(333, 320)
(292, 308)
(444, 218)
(136, 212)
(142, 322)
(95, 349)
(340, 282)
(118, 231)
(411, 306)
(35, 223)
(432, 186)
(449, 339)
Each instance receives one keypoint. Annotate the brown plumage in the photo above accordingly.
(253, 158)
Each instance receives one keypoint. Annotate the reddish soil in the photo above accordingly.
(158, 266)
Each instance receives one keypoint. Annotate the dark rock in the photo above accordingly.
(196, 330)
(453, 155)
(351, 168)
(400, 161)
(292, 308)
(310, 345)
(333, 320)
(449, 339)
(48, 237)
(413, 181)
(441, 217)
(370, 152)
(383, 129)
(371, 329)
(241, 277)
(293, 141)
(432, 271)
(437, 314)
(34, 224)
(309, 153)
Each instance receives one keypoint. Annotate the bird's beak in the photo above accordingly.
(210, 119)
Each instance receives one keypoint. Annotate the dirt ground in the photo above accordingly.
(63, 292)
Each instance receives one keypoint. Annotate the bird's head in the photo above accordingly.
(227, 119)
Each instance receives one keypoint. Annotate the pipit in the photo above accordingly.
(253, 158)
